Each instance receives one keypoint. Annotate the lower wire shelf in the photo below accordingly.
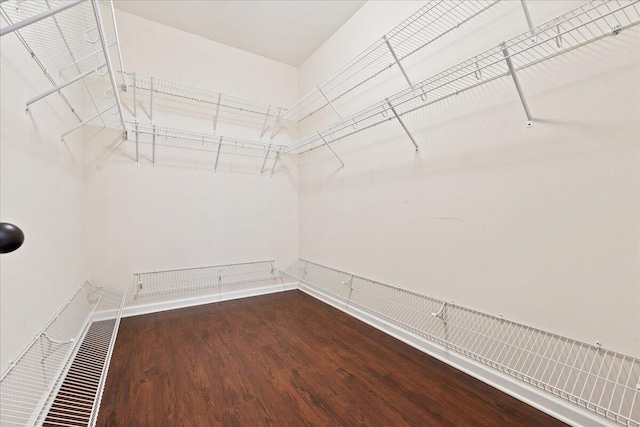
(59, 378)
(602, 381)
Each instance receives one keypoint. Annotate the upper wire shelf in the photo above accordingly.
(428, 24)
(75, 43)
(166, 88)
(587, 23)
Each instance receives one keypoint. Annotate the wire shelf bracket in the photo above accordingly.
(516, 82)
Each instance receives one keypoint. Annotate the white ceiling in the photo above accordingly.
(286, 31)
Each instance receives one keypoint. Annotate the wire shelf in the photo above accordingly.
(428, 24)
(192, 279)
(585, 24)
(600, 380)
(169, 89)
(69, 46)
(59, 378)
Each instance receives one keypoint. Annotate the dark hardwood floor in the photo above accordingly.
(288, 359)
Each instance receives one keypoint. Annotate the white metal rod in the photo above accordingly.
(275, 125)
(215, 118)
(87, 56)
(403, 125)
(107, 58)
(115, 31)
(151, 99)
(135, 103)
(529, 21)
(404, 73)
(334, 153)
(137, 145)
(275, 162)
(330, 103)
(153, 146)
(63, 85)
(32, 19)
(215, 167)
(87, 121)
(264, 124)
(514, 76)
(265, 159)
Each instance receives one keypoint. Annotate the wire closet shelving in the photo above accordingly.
(59, 378)
(602, 381)
(428, 24)
(155, 88)
(582, 25)
(75, 44)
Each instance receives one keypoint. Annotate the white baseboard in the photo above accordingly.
(138, 310)
(539, 399)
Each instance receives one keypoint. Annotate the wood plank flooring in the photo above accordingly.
(288, 359)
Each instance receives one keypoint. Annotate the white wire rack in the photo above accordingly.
(59, 379)
(75, 44)
(144, 84)
(428, 24)
(191, 279)
(585, 24)
(217, 144)
(600, 380)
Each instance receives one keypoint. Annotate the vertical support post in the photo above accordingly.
(107, 58)
(135, 102)
(334, 153)
(514, 76)
(395, 57)
(151, 99)
(264, 124)
(265, 159)
(529, 21)
(137, 150)
(115, 31)
(153, 146)
(330, 103)
(215, 167)
(395, 113)
(215, 118)
(275, 162)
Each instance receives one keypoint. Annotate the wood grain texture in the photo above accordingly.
(288, 359)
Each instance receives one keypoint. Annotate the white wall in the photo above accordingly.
(538, 224)
(42, 191)
(180, 213)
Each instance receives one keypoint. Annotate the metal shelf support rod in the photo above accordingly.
(275, 162)
(516, 81)
(215, 117)
(99, 113)
(107, 58)
(63, 85)
(151, 99)
(117, 43)
(264, 162)
(395, 57)
(215, 167)
(330, 103)
(334, 153)
(264, 124)
(275, 125)
(28, 21)
(529, 21)
(137, 145)
(153, 146)
(395, 113)
(87, 56)
(135, 103)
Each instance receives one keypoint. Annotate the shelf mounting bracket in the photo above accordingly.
(514, 76)
(264, 162)
(273, 168)
(215, 117)
(264, 124)
(395, 113)
(215, 167)
(330, 103)
(334, 153)
(395, 57)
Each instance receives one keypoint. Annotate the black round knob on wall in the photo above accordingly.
(11, 237)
